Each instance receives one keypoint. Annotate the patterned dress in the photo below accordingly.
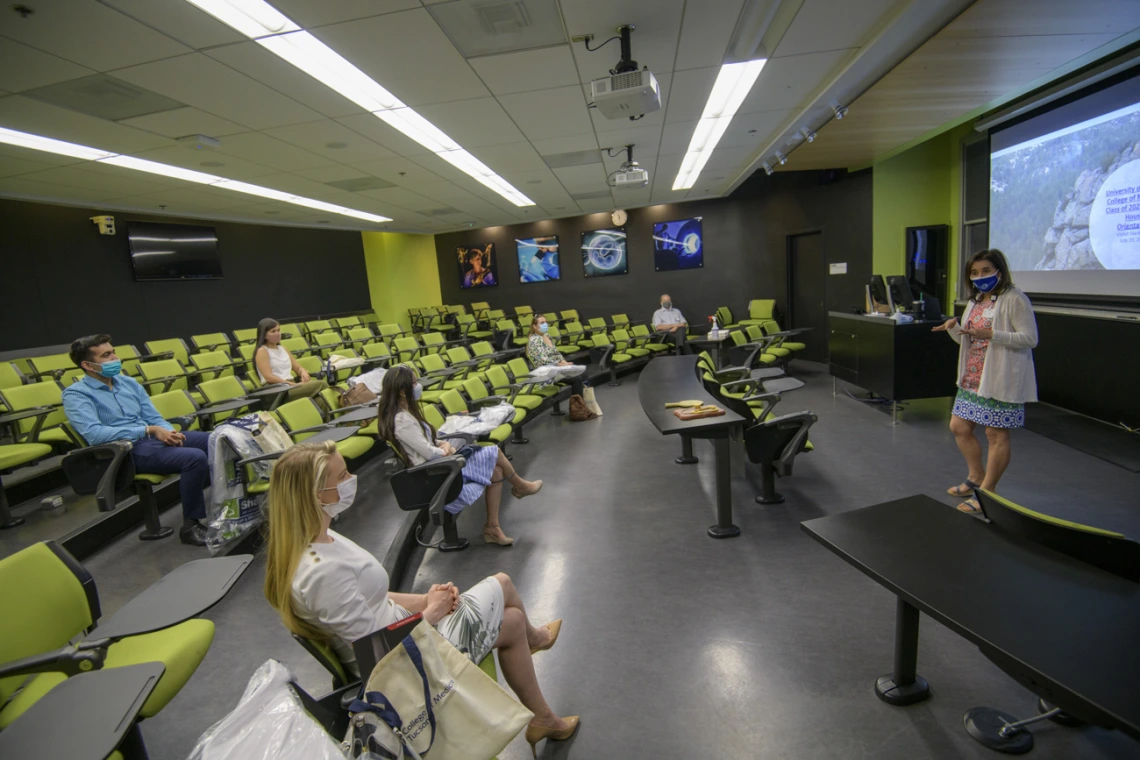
(968, 404)
(541, 354)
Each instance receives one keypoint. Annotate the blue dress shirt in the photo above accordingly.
(102, 414)
(668, 317)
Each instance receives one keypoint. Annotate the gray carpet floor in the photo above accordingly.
(676, 645)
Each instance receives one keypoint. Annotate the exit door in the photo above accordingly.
(807, 292)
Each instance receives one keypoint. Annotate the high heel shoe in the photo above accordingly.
(554, 627)
(535, 734)
(491, 538)
(518, 493)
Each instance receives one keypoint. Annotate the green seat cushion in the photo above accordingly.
(793, 346)
(530, 403)
(199, 399)
(657, 347)
(54, 435)
(500, 434)
(520, 415)
(768, 358)
(621, 358)
(808, 446)
(547, 391)
(638, 352)
(16, 454)
(373, 429)
(431, 397)
(480, 334)
(152, 479)
(569, 349)
(777, 351)
(180, 648)
(351, 448)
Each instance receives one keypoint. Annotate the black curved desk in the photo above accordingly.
(674, 378)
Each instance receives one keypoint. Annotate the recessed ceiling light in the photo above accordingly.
(336, 145)
(274, 31)
(48, 145)
(212, 164)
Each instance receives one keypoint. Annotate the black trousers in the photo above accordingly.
(676, 338)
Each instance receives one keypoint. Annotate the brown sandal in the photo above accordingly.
(970, 506)
(966, 489)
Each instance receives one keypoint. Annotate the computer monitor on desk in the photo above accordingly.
(899, 292)
(877, 293)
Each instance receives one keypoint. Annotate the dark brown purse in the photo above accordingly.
(579, 412)
(357, 394)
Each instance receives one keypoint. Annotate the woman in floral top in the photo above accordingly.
(995, 371)
(541, 352)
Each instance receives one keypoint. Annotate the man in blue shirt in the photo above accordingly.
(108, 406)
(670, 324)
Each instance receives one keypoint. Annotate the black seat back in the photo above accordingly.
(416, 490)
(778, 440)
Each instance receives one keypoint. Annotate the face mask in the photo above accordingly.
(417, 391)
(666, 305)
(544, 328)
(110, 369)
(346, 490)
(985, 284)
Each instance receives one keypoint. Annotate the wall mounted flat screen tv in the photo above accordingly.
(173, 251)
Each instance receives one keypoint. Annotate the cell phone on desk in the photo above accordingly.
(371, 649)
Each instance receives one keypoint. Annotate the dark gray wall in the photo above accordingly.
(61, 279)
(745, 252)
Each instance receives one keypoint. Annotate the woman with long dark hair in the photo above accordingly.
(327, 588)
(995, 370)
(275, 364)
(401, 422)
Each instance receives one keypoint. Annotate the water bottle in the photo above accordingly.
(714, 327)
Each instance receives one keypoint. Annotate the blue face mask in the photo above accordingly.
(417, 391)
(543, 327)
(985, 284)
(110, 369)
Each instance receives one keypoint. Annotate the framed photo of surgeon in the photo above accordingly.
(478, 267)
(538, 259)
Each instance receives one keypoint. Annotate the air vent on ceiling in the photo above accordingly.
(441, 211)
(359, 184)
(593, 196)
(103, 96)
(503, 18)
(575, 158)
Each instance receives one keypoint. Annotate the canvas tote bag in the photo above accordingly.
(425, 699)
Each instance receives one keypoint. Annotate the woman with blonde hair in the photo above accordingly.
(541, 352)
(327, 588)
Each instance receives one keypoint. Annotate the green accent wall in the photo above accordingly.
(920, 186)
(402, 274)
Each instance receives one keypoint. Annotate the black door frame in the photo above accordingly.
(789, 268)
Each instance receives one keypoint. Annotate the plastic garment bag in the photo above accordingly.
(268, 723)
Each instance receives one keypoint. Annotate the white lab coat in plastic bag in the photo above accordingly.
(268, 723)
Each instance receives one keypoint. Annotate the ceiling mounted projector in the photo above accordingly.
(626, 92)
(629, 174)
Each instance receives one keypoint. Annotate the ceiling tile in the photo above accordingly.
(188, 158)
(309, 14)
(549, 113)
(214, 198)
(402, 198)
(269, 151)
(473, 123)
(25, 114)
(258, 63)
(90, 34)
(184, 121)
(103, 96)
(24, 187)
(181, 20)
(379, 132)
(12, 166)
(317, 136)
(830, 25)
(400, 171)
(580, 179)
(689, 91)
(514, 157)
(24, 68)
(707, 32)
(568, 144)
(789, 82)
(332, 173)
(115, 181)
(654, 41)
(527, 70)
(202, 82)
(408, 54)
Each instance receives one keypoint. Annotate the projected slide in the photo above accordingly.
(678, 245)
(538, 259)
(603, 253)
(1069, 200)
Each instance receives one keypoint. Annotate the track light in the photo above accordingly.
(767, 169)
(808, 134)
(840, 111)
(781, 158)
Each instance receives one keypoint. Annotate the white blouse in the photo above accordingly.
(343, 589)
(280, 363)
(414, 438)
(1008, 373)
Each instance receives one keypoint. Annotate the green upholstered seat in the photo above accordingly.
(358, 336)
(296, 345)
(304, 413)
(760, 311)
(176, 404)
(10, 376)
(499, 380)
(211, 342)
(738, 338)
(519, 369)
(174, 346)
(617, 357)
(624, 344)
(46, 393)
(434, 363)
(166, 375)
(469, 327)
(246, 335)
(453, 403)
(476, 390)
(16, 454)
(208, 359)
(55, 366)
(129, 356)
(44, 606)
(315, 326)
(221, 389)
(641, 331)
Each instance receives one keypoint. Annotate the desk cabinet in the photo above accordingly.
(896, 362)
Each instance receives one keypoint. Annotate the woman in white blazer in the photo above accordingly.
(995, 370)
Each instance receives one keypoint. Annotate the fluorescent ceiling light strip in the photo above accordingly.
(253, 18)
(274, 31)
(732, 86)
(35, 142)
(48, 145)
(322, 63)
